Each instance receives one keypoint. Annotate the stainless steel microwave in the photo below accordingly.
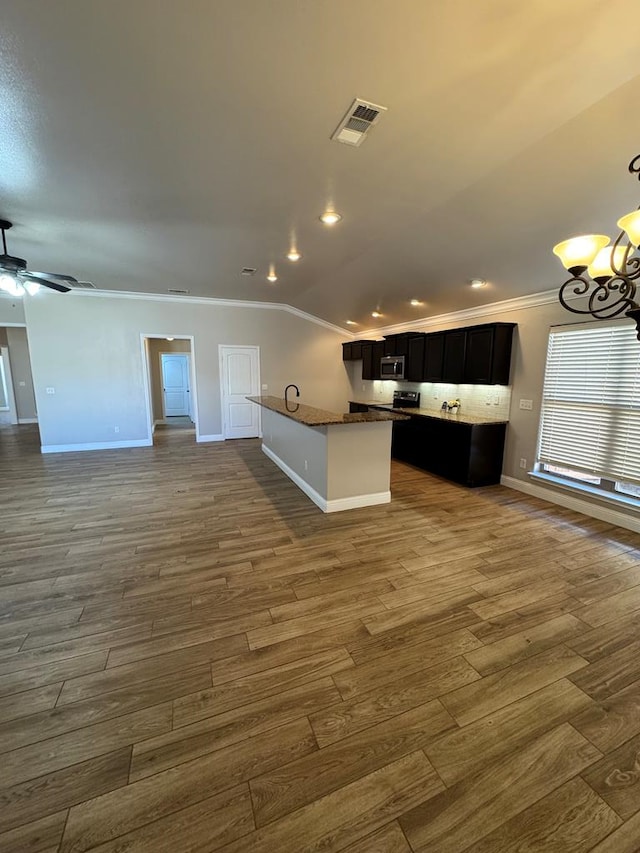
(392, 367)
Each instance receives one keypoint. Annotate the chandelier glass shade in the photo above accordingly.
(605, 275)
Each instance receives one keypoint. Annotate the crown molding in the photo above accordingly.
(518, 303)
(211, 300)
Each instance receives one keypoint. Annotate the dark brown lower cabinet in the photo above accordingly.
(470, 454)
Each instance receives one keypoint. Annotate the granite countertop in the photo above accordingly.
(310, 416)
(460, 417)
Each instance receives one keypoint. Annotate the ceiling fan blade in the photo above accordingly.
(54, 285)
(29, 273)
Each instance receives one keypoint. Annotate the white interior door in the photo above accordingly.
(240, 375)
(175, 384)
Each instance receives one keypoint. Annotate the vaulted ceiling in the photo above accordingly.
(148, 145)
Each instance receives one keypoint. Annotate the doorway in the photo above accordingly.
(8, 412)
(170, 386)
(240, 378)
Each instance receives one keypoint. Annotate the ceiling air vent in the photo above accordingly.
(359, 119)
(175, 290)
(248, 271)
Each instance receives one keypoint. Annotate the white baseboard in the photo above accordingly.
(339, 504)
(27, 420)
(568, 501)
(202, 438)
(97, 445)
(336, 505)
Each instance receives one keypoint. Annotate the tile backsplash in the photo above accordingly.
(481, 400)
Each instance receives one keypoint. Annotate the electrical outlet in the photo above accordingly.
(50, 390)
(22, 383)
(265, 387)
(116, 429)
(526, 404)
(523, 462)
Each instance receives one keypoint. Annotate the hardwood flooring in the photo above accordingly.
(194, 658)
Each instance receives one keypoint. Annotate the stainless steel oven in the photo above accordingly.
(392, 367)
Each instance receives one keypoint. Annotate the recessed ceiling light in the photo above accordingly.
(477, 282)
(415, 302)
(294, 255)
(376, 314)
(330, 217)
(351, 322)
(272, 274)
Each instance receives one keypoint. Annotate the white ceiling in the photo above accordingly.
(155, 144)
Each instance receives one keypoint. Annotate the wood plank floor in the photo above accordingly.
(194, 658)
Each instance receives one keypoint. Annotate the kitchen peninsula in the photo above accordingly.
(340, 461)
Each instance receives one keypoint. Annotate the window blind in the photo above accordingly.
(590, 417)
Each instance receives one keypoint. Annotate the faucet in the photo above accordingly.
(286, 399)
(287, 388)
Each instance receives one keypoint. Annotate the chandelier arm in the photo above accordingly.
(628, 250)
(633, 263)
(605, 300)
(634, 166)
(578, 286)
(617, 295)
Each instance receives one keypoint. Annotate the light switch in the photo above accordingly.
(526, 404)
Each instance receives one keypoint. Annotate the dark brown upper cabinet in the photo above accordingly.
(487, 358)
(433, 357)
(454, 355)
(473, 355)
(371, 355)
(414, 363)
(352, 350)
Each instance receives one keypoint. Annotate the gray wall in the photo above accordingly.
(89, 348)
(11, 311)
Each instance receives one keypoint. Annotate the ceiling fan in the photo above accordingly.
(15, 278)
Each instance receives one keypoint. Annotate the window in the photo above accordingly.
(590, 418)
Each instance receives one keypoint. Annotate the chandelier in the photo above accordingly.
(604, 274)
